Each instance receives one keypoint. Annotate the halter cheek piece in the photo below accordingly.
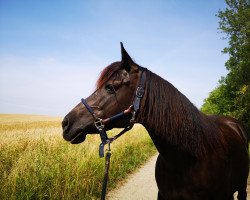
(132, 110)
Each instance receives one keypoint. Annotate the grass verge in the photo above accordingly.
(36, 163)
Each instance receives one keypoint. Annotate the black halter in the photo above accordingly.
(132, 110)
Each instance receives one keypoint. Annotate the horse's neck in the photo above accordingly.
(172, 120)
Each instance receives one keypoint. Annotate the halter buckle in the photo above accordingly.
(99, 124)
(139, 92)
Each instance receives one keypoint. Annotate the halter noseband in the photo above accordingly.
(132, 110)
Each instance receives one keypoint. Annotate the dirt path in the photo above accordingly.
(139, 186)
(142, 186)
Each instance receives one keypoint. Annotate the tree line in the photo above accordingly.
(232, 95)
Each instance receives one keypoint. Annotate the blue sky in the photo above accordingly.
(51, 52)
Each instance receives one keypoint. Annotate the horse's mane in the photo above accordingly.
(170, 114)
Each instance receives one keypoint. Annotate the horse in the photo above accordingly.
(201, 157)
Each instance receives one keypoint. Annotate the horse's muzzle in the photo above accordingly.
(65, 125)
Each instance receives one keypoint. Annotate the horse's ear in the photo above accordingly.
(127, 61)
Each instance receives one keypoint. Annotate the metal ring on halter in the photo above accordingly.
(99, 124)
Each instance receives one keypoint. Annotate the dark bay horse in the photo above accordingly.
(201, 157)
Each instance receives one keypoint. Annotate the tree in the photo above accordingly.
(232, 96)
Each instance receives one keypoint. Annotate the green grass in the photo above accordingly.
(36, 163)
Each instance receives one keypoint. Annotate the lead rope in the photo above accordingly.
(106, 173)
(107, 161)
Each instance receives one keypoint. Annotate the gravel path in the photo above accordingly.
(139, 186)
(142, 186)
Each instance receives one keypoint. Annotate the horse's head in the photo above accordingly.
(115, 91)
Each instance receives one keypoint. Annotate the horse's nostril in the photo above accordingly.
(65, 124)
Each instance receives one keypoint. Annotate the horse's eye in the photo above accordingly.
(110, 89)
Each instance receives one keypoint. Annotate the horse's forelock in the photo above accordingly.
(107, 73)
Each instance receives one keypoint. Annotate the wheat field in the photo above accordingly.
(36, 163)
